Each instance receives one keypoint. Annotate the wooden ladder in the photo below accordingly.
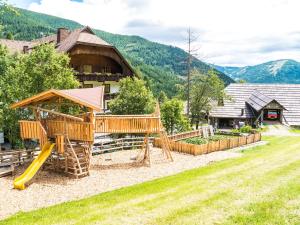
(77, 163)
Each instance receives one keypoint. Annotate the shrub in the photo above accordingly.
(246, 129)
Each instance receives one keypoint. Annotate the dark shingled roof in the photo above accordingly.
(242, 95)
(258, 100)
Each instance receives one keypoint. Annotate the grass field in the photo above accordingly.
(261, 187)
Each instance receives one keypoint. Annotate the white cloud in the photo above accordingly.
(232, 32)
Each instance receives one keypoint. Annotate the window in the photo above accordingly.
(107, 106)
(106, 88)
(87, 68)
(87, 85)
(75, 67)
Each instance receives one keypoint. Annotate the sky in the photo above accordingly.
(229, 32)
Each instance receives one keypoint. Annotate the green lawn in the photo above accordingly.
(262, 187)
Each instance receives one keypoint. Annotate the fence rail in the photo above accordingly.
(119, 144)
(16, 157)
(211, 146)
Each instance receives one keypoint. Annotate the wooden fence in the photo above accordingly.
(16, 157)
(127, 124)
(188, 134)
(119, 144)
(211, 146)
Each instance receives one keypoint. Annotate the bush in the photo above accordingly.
(243, 129)
(196, 141)
(246, 129)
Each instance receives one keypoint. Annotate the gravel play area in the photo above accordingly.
(49, 188)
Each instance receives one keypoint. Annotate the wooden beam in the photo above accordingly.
(58, 113)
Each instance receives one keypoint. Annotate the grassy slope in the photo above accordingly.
(262, 187)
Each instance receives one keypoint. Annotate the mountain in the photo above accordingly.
(279, 71)
(161, 65)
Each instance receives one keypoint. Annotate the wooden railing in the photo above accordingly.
(213, 146)
(33, 130)
(119, 144)
(77, 131)
(127, 124)
(30, 129)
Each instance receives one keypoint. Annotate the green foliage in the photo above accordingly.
(205, 89)
(172, 116)
(246, 129)
(161, 66)
(201, 140)
(133, 98)
(28, 74)
(196, 141)
(162, 97)
(243, 129)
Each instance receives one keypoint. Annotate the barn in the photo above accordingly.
(254, 104)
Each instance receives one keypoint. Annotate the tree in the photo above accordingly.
(172, 116)
(162, 97)
(191, 51)
(133, 98)
(6, 8)
(206, 89)
(9, 36)
(25, 75)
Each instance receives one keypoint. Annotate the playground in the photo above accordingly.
(67, 166)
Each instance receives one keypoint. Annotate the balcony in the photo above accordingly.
(100, 77)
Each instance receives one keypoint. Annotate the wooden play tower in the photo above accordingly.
(67, 119)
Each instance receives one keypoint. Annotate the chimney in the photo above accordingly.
(62, 34)
(25, 48)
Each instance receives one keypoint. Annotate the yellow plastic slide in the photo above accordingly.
(19, 183)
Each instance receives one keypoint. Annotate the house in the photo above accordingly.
(256, 103)
(95, 62)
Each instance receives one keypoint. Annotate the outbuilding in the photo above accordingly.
(254, 104)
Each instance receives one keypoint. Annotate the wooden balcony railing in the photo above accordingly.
(33, 130)
(100, 77)
(77, 131)
(130, 124)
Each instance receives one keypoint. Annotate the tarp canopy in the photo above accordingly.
(89, 97)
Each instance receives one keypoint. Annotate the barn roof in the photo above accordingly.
(242, 95)
(258, 100)
(89, 97)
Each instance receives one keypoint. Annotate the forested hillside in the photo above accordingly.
(162, 65)
(279, 71)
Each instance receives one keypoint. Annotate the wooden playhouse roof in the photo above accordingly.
(89, 97)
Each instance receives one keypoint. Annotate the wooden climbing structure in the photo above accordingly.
(137, 124)
(73, 135)
(66, 119)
